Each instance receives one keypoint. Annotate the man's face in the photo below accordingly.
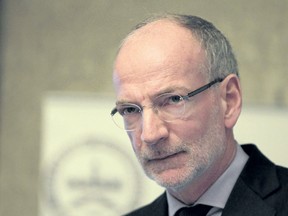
(161, 58)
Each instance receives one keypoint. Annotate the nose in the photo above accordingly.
(153, 128)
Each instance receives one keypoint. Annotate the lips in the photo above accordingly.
(164, 157)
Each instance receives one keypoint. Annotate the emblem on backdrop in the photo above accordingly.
(94, 177)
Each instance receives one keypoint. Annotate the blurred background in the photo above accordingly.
(56, 92)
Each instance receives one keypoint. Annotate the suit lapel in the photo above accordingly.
(244, 201)
(157, 208)
(161, 207)
(257, 182)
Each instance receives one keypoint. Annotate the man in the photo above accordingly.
(178, 98)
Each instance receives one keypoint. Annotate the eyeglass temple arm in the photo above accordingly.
(203, 88)
(113, 112)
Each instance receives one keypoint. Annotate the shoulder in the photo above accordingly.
(257, 159)
(259, 165)
(266, 179)
(158, 207)
(279, 199)
(282, 173)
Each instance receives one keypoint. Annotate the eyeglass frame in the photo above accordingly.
(185, 97)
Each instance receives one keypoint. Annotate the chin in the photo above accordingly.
(173, 179)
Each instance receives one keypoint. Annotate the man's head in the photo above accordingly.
(176, 55)
(219, 54)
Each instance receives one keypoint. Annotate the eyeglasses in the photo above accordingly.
(168, 106)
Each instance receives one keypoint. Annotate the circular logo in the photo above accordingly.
(93, 178)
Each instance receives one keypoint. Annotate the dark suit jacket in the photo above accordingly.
(261, 190)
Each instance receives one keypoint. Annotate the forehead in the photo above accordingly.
(158, 54)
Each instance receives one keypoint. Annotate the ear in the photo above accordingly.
(231, 99)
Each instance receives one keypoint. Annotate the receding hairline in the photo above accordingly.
(169, 18)
(220, 58)
(172, 18)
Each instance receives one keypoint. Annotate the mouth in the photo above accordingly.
(164, 157)
(165, 162)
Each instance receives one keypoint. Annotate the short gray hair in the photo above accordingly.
(221, 60)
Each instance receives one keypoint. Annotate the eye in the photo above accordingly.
(174, 99)
(128, 109)
(168, 100)
(171, 99)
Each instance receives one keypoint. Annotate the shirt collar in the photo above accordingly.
(218, 193)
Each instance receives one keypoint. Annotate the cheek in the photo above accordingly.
(190, 132)
(194, 126)
(196, 118)
(197, 126)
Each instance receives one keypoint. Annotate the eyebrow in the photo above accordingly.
(120, 102)
(170, 89)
